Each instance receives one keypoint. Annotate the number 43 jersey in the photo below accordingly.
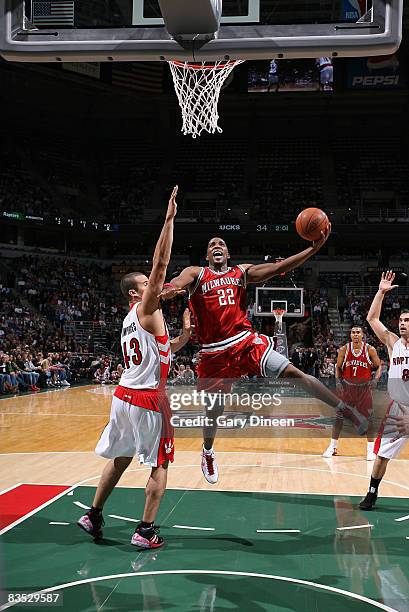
(147, 357)
(218, 302)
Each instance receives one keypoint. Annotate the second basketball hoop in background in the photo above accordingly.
(278, 315)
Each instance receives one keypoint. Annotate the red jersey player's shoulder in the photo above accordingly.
(343, 349)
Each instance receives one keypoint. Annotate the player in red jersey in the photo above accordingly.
(229, 346)
(353, 374)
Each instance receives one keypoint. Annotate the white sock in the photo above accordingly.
(207, 451)
(333, 443)
(370, 446)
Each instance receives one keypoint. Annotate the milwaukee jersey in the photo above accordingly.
(398, 382)
(218, 303)
(356, 367)
(146, 357)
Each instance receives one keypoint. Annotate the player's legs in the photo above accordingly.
(215, 372)
(388, 447)
(132, 431)
(331, 451)
(145, 535)
(379, 467)
(208, 463)
(213, 411)
(109, 479)
(155, 488)
(378, 472)
(361, 399)
(92, 522)
(315, 388)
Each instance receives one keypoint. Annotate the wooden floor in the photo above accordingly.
(49, 438)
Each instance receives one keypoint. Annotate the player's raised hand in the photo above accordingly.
(172, 206)
(169, 292)
(387, 279)
(187, 323)
(317, 244)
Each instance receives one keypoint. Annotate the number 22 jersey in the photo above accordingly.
(218, 302)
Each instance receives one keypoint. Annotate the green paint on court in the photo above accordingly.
(371, 562)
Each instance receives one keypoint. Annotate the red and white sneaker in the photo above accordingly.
(147, 538)
(92, 523)
(209, 466)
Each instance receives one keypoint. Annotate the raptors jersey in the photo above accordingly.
(146, 357)
(356, 367)
(218, 302)
(398, 382)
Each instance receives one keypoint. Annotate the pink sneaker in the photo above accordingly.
(147, 538)
(92, 523)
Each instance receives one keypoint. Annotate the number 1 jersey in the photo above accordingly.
(218, 302)
(146, 357)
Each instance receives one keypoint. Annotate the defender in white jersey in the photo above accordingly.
(326, 70)
(393, 434)
(140, 415)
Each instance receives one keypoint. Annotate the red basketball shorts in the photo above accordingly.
(252, 356)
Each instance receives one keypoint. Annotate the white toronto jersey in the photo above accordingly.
(324, 61)
(398, 383)
(146, 357)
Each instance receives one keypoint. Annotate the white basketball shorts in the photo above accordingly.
(135, 432)
(388, 444)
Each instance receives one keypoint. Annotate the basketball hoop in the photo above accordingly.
(198, 89)
(278, 314)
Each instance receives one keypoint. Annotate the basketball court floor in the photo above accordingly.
(280, 530)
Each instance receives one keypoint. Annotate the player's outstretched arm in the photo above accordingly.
(263, 272)
(178, 284)
(383, 333)
(160, 262)
(177, 343)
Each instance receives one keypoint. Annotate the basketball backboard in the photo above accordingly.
(290, 299)
(131, 30)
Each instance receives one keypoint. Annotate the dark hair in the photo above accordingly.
(403, 310)
(129, 282)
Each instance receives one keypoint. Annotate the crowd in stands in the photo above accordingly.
(117, 180)
(67, 290)
(38, 348)
(19, 191)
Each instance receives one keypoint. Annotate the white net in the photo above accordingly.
(278, 314)
(198, 89)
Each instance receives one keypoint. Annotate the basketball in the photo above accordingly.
(310, 223)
